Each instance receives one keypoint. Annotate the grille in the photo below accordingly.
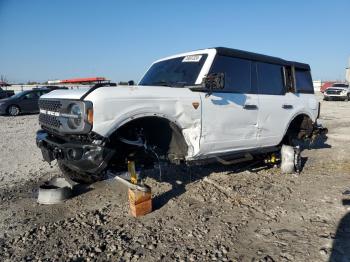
(50, 105)
(333, 92)
(48, 120)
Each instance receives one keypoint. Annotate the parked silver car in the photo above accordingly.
(338, 91)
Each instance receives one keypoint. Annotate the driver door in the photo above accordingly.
(29, 102)
(230, 116)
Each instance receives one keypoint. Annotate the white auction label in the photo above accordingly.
(192, 58)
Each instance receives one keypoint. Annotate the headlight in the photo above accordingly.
(76, 119)
(344, 92)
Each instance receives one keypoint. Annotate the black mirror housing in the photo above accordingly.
(214, 81)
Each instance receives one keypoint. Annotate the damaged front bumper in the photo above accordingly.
(77, 155)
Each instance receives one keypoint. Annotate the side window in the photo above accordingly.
(42, 93)
(270, 79)
(31, 95)
(237, 73)
(289, 79)
(303, 81)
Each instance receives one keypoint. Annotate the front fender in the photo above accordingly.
(126, 119)
(189, 126)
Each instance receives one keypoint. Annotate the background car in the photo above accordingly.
(339, 91)
(6, 93)
(23, 102)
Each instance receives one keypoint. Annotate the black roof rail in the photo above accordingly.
(259, 57)
(96, 86)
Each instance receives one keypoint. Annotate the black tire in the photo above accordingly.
(13, 110)
(325, 98)
(82, 178)
(347, 98)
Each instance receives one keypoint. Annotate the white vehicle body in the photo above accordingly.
(212, 122)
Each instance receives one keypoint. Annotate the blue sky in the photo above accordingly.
(41, 39)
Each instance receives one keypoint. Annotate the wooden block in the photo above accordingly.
(140, 202)
(137, 196)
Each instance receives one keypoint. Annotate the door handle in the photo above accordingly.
(287, 106)
(250, 107)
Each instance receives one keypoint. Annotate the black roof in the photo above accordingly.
(258, 57)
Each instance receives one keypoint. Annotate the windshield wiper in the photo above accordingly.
(171, 84)
(180, 84)
(161, 83)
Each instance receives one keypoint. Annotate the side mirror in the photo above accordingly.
(214, 81)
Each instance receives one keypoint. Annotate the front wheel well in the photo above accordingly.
(159, 136)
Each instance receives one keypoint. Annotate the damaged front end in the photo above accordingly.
(67, 136)
(79, 153)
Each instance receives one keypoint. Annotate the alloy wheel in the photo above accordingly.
(13, 111)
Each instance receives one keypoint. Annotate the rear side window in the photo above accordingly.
(237, 73)
(32, 95)
(303, 81)
(270, 79)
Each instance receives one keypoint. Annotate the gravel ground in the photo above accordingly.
(201, 214)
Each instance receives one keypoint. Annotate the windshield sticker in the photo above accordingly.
(192, 58)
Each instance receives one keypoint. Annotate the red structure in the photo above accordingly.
(325, 85)
(83, 80)
(86, 80)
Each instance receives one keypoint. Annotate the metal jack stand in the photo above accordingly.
(273, 159)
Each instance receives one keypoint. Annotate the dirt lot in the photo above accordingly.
(211, 213)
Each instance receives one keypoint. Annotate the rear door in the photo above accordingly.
(229, 117)
(277, 106)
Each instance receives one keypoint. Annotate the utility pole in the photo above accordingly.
(347, 72)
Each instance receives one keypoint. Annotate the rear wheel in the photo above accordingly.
(13, 110)
(79, 177)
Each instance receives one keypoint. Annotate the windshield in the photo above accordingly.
(176, 72)
(19, 94)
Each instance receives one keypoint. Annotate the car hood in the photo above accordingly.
(121, 92)
(6, 100)
(67, 94)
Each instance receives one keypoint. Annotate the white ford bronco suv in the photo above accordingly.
(195, 107)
